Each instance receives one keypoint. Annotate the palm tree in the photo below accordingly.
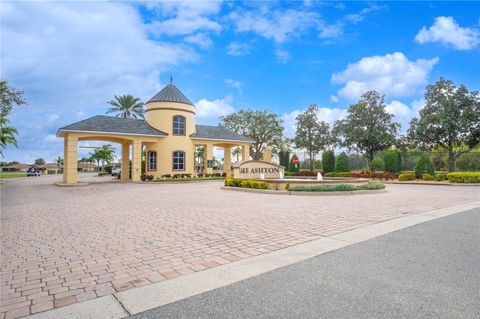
(236, 152)
(106, 153)
(59, 161)
(7, 135)
(126, 106)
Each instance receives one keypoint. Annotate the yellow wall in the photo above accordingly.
(160, 116)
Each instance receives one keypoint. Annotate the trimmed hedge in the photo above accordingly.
(328, 161)
(336, 188)
(427, 177)
(441, 177)
(233, 182)
(424, 165)
(393, 161)
(339, 174)
(384, 175)
(464, 177)
(406, 177)
(342, 164)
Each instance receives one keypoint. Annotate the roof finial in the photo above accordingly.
(171, 79)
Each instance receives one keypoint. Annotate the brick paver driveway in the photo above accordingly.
(67, 245)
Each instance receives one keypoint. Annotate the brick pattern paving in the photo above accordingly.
(66, 245)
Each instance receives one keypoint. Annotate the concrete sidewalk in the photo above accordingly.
(426, 271)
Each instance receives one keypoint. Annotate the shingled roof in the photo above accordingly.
(218, 133)
(111, 124)
(170, 93)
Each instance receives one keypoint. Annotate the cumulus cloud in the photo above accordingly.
(391, 74)
(404, 113)
(282, 55)
(200, 39)
(184, 17)
(73, 57)
(447, 31)
(212, 110)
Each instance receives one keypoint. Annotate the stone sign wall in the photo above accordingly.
(253, 170)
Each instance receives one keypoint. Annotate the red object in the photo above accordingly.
(295, 160)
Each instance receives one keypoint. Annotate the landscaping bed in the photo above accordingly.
(183, 180)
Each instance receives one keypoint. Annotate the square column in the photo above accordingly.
(227, 161)
(125, 172)
(207, 156)
(136, 161)
(70, 155)
(245, 152)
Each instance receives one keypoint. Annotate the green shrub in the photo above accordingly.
(262, 185)
(378, 164)
(440, 177)
(317, 165)
(427, 177)
(284, 158)
(393, 161)
(330, 174)
(108, 168)
(423, 166)
(336, 188)
(342, 163)
(464, 177)
(328, 161)
(289, 173)
(406, 177)
(344, 174)
(291, 166)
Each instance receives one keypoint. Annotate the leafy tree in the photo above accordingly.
(9, 97)
(59, 161)
(328, 161)
(423, 166)
(39, 161)
(393, 161)
(378, 164)
(264, 127)
(450, 120)
(342, 163)
(317, 165)
(126, 106)
(312, 134)
(368, 127)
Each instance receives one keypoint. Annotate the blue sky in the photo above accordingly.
(70, 58)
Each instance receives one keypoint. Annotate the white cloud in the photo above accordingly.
(390, 74)
(360, 16)
(404, 113)
(332, 31)
(53, 118)
(183, 18)
(73, 57)
(277, 25)
(447, 31)
(200, 39)
(238, 49)
(212, 110)
(233, 83)
(52, 138)
(327, 114)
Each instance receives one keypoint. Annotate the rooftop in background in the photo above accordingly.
(170, 93)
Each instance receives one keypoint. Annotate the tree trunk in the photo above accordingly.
(311, 161)
(451, 159)
(370, 157)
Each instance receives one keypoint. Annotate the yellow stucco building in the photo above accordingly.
(168, 133)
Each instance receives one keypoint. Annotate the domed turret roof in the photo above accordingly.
(170, 93)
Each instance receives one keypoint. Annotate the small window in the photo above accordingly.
(152, 161)
(178, 125)
(178, 161)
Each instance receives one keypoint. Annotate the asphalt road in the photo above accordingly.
(431, 270)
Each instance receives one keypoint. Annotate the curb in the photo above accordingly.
(139, 299)
(301, 193)
(431, 183)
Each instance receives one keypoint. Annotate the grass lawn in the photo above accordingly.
(12, 174)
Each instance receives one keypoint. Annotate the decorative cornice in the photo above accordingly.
(169, 109)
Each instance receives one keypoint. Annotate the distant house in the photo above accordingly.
(15, 168)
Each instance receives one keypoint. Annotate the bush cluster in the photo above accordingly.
(393, 161)
(342, 163)
(464, 177)
(378, 164)
(328, 161)
(406, 177)
(336, 187)
(307, 173)
(145, 177)
(441, 177)
(235, 182)
(424, 165)
(427, 177)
